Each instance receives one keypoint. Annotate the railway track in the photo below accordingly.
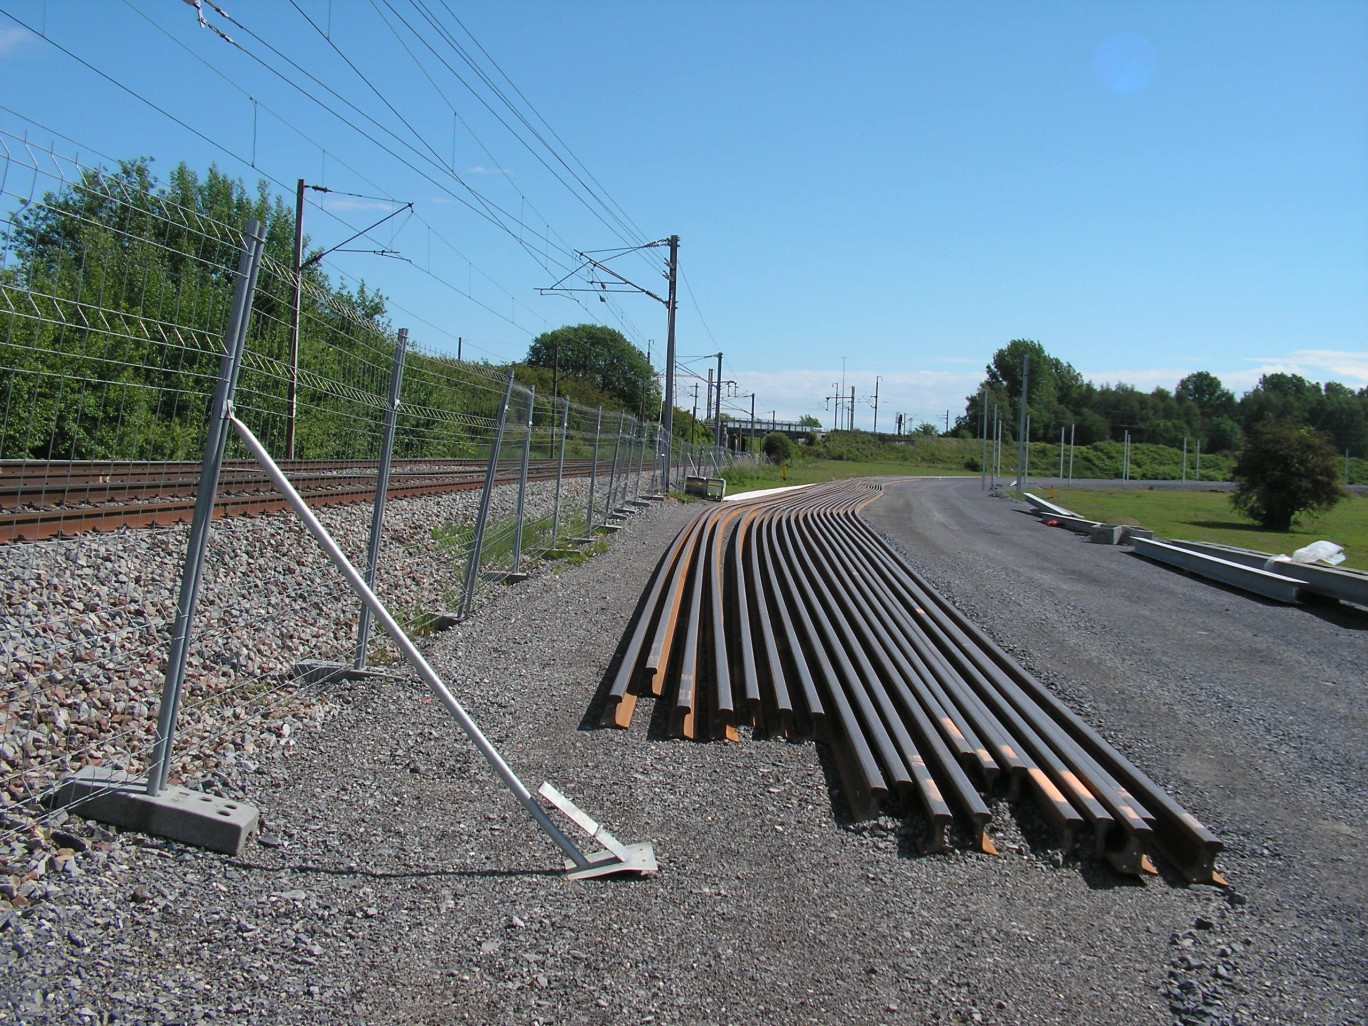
(40, 500)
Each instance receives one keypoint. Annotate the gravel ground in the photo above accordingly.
(395, 881)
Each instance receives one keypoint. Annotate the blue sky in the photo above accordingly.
(861, 190)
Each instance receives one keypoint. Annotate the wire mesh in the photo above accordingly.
(114, 299)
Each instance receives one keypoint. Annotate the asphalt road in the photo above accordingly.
(1253, 714)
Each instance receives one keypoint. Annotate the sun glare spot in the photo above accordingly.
(1125, 62)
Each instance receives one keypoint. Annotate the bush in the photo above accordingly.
(1285, 469)
(778, 447)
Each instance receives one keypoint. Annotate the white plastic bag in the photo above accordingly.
(1320, 552)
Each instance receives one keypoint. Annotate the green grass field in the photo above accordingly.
(1208, 516)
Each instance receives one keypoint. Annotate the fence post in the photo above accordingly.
(522, 483)
(560, 474)
(473, 567)
(641, 461)
(381, 494)
(235, 340)
(593, 478)
(612, 474)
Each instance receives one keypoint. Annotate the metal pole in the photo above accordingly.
(381, 494)
(641, 460)
(1061, 450)
(410, 650)
(1185, 459)
(560, 474)
(522, 482)
(1197, 476)
(298, 284)
(1072, 429)
(593, 477)
(876, 404)
(670, 355)
(235, 340)
(1021, 425)
(983, 433)
(612, 473)
(477, 542)
(717, 434)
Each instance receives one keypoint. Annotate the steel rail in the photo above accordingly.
(163, 499)
(790, 615)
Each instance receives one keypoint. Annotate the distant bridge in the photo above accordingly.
(740, 430)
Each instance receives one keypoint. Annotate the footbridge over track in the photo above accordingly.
(739, 431)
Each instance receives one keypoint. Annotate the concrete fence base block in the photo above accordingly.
(1135, 532)
(178, 813)
(1106, 534)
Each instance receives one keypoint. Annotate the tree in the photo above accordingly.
(1055, 390)
(1285, 469)
(1205, 391)
(778, 447)
(604, 358)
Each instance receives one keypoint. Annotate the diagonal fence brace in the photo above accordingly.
(640, 858)
(616, 856)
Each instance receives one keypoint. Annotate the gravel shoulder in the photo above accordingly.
(395, 880)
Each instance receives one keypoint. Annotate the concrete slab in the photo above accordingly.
(178, 813)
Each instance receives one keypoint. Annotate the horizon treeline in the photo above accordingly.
(1199, 408)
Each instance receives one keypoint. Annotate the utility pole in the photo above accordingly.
(852, 407)
(459, 358)
(1021, 424)
(708, 410)
(695, 409)
(877, 379)
(983, 433)
(670, 308)
(298, 270)
(717, 437)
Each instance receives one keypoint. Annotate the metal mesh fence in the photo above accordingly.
(115, 299)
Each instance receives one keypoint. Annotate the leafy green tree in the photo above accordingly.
(1285, 469)
(1054, 390)
(778, 447)
(1205, 391)
(603, 357)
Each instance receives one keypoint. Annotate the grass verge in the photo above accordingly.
(1208, 516)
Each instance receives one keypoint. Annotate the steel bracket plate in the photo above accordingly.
(616, 857)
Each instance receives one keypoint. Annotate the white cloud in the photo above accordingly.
(480, 169)
(13, 39)
(334, 201)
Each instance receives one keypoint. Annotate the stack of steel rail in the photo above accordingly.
(789, 615)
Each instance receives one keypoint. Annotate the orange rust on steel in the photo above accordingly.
(723, 699)
(864, 642)
(982, 732)
(662, 644)
(622, 702)
(899, 654)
